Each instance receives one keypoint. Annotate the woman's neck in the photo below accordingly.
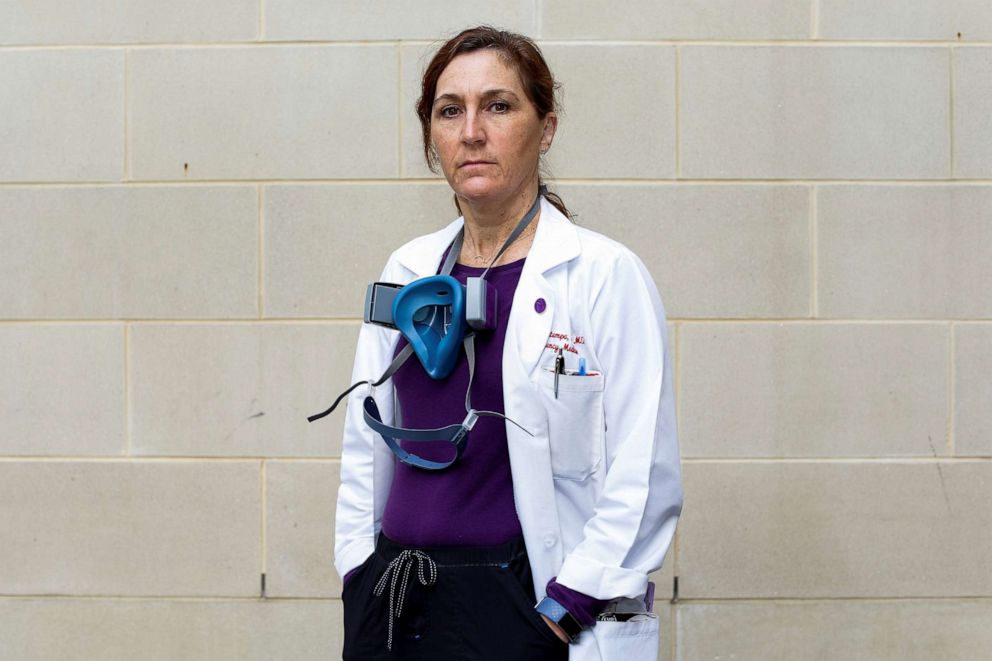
(487, 228)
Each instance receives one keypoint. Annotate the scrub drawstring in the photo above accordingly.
(401, 564)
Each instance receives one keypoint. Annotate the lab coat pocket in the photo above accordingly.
(575, 423)
(633, 640)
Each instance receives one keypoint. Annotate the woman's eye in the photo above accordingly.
(449, 111)
(499, 106)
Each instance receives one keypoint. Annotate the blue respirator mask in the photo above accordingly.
(437, 315)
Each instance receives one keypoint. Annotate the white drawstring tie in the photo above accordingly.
(401, 564)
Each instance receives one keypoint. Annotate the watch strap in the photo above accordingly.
(558, 614)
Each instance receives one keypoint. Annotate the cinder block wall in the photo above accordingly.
(193, 195)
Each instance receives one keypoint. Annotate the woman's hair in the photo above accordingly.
(517, 51)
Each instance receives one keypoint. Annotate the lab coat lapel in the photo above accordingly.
(535, 302)
(422, 256)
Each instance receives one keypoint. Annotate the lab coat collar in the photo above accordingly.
(555, 243)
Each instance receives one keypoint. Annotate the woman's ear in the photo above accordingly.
(548, 134)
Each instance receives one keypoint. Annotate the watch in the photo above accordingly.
(557, 613)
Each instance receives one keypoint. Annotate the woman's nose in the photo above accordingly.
(472, 129)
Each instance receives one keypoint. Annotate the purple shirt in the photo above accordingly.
(470, 503)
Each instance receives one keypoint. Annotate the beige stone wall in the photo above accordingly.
(193, 194)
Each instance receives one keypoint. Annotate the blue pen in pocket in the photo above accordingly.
(582, 366)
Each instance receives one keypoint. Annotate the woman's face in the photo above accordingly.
(486, 131)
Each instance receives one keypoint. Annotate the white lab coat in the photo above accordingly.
(598, 486)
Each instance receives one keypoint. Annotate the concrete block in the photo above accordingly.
(973, 389)
(325, 244)
(136, 21)
(904, 252)
(300, 501)
(619, 111)
(61, 115)
(783, 112)
(146, 252)
(973, 112)
(130, 528)
(946, 20)
(674, 19)
(238, 389)
(62, 389)
(814, 530)
(352, 20)
(666, 638)
(169, 629)
(813, 390)
(714, 251)
(264, 113)
(918, 630)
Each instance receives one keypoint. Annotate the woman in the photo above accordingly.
(556, 514)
